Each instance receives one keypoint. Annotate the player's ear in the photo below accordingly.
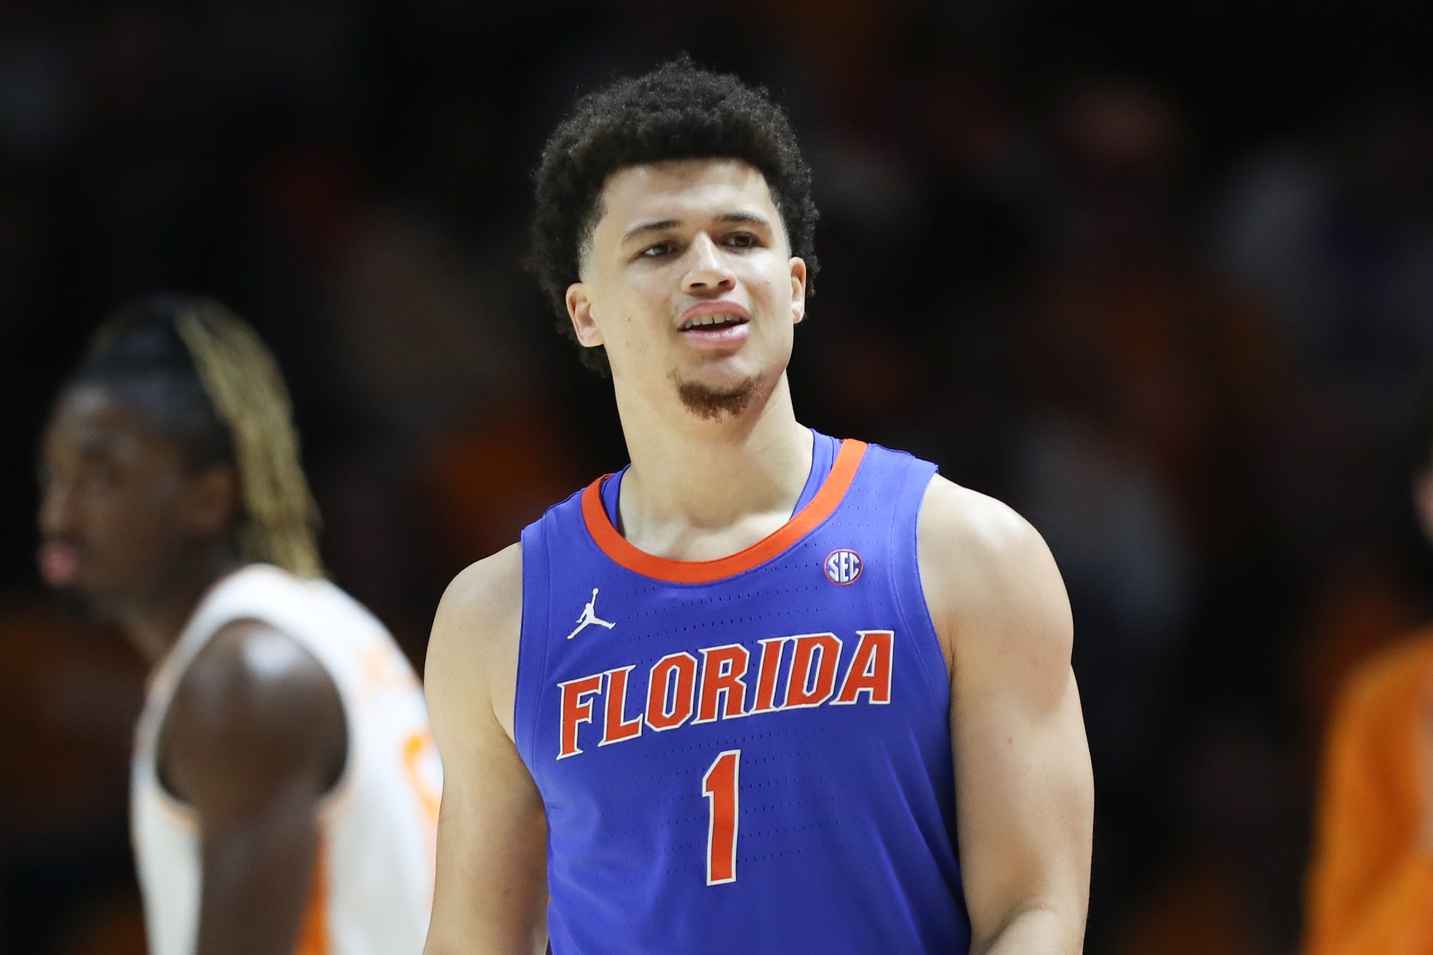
(582, 311)
(798, 289)
(211, 501)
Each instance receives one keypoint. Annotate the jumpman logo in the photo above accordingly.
(589, 617)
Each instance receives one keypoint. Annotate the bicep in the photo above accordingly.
(1024, 789)
(263, 878)
(491, 889)
(258, 739)
(1026, 805)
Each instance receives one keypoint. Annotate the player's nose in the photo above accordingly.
(708, 270)
(59, 509)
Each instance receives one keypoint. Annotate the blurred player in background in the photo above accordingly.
(1370, 887)
(750, 694)
(284, 786)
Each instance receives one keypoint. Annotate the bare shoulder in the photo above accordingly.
(966, 534)
(253, 708)
(485, 590)
(472, 653)
(982, 564)
(251, 676)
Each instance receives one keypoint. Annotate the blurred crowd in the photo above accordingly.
(1185, 341)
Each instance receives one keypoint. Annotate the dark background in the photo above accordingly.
(1159, 275)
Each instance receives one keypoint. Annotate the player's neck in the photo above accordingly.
(701, 489)
(155, 623)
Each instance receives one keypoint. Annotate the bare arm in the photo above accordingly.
(1024, 791)
(255, 738)
(491, 894)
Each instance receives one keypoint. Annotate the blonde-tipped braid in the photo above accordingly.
(279, 521)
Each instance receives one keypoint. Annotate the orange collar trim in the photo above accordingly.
(614, 545)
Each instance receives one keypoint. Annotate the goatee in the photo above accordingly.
(710, 403)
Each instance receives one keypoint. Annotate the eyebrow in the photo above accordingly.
(88, 449)
(93, 447)
(661, 225)
(99, 445)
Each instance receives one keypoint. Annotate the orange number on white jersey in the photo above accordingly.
(418, 753)
(720, 787)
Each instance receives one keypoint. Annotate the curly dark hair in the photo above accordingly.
(677, 111)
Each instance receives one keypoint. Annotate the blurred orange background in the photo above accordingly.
(1161, 276)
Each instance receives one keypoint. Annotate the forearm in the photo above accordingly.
(487, 926)
(258, 890)
(441, 942)
(1036, 930)
(490, 896)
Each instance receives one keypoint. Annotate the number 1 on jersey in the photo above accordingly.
(719, 785)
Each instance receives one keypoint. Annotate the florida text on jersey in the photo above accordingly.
(746, 754)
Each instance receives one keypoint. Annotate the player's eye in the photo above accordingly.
(657, 250)
(742, 240)
(100, 473)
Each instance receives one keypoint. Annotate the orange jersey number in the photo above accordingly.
(723, 799)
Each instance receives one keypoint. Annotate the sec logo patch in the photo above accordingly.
(843, 567)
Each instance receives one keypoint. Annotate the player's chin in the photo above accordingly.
(81, 604)
(93, 591)
(717, 397)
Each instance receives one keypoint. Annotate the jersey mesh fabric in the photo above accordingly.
(844, 819)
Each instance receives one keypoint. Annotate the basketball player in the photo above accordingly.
(284, 783)
(1370, 885)
(763, 691)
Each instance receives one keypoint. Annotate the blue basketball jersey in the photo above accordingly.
(746, 755)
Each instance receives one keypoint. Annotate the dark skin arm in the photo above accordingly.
(254, 739)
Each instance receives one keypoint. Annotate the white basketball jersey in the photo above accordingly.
(372, 887)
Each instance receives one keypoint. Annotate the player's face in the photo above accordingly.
(689, 283)
(120, 511)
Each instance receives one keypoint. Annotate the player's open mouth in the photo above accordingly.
(720, 324)
(715, 330)
(716, 321)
